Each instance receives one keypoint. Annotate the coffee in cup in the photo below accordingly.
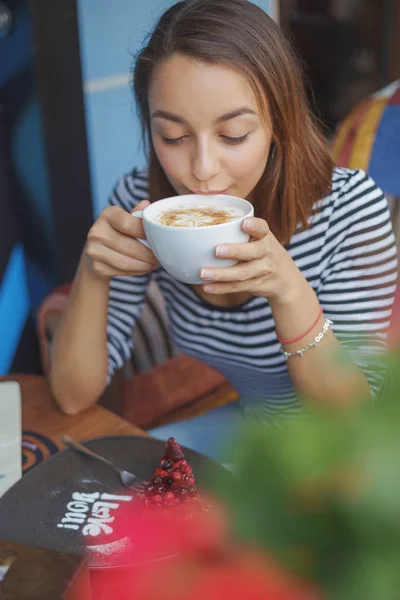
(183, 231)
(197, 216)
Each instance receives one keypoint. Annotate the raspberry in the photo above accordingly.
(169, 497)
(176, 476)
(160, 472)
(157, 499)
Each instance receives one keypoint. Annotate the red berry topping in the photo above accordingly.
(149, 489)
(173, 482)
(173, 451)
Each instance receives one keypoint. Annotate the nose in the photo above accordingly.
(205, 161)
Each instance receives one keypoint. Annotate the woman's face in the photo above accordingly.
(207, 129)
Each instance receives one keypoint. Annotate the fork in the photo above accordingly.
(128, 479)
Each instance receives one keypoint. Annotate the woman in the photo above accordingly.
(223, 110)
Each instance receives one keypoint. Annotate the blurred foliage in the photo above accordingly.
(322, 494)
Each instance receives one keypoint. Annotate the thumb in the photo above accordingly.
(141, 206)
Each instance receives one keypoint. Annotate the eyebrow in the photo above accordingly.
(163, 114)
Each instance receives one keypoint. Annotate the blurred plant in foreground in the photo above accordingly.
(322, 495)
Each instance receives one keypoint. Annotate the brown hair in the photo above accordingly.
(238, 34)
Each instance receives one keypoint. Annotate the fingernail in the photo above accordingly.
(248, 223)
(206, 274)
(208, 288)
(221, 251)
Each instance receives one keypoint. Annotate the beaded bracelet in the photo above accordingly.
(317, 339)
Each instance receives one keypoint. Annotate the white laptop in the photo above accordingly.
(10, 435)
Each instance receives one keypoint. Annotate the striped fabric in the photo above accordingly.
(152, 343)
(348, 256)
(369, 138)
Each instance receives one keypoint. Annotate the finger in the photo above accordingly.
(121, 220)
(247, 251)
(251, 285)
(115, 260)
(257, 228)
(240, 272)
(141, 206)
(129, 246)
(103, 232)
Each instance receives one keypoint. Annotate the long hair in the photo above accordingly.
(240, 35)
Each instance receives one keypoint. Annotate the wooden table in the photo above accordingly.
(41, 419)
(40, 414)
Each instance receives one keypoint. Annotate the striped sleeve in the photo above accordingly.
(127, 294)
(359, 275)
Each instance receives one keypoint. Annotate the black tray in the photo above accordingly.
(32, 511)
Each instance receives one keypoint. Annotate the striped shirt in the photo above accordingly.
(348, 256)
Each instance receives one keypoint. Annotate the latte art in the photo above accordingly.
(197, 216)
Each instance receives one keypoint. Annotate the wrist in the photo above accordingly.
(89, 275)
(292, 291)
(295, 309)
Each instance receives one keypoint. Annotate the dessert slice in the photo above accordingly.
(173, 481)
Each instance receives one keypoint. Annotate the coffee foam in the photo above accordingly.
(197, 216)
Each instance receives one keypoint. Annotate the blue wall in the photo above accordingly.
(28, 275)
(110, 34)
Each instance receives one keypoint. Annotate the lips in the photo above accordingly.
(212, 193)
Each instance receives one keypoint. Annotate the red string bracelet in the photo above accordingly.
(296, 339)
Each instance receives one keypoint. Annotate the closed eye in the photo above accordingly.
(235, 140)
(173, 140)
(229, 140)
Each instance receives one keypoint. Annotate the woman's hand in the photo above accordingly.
(112, 248)
(265, 268)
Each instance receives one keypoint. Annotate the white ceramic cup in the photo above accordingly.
(184, 251)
